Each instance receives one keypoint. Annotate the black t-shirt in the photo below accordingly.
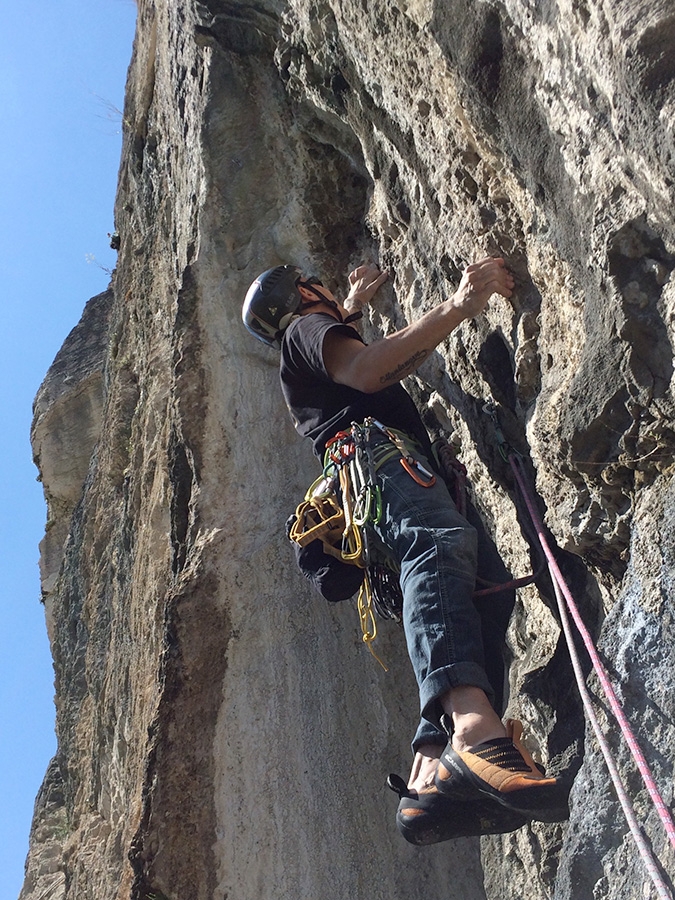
(318, 405)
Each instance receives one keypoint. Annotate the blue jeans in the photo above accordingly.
(437, 550)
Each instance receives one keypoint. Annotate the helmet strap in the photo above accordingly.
(322, 299)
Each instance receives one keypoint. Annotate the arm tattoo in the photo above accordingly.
(405, 368)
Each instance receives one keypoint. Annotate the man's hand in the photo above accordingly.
(479, 282)
(364, 282)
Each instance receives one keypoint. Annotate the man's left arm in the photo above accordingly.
(372, 367)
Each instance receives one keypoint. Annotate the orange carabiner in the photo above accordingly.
(407, 463)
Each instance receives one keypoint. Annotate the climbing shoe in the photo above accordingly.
(431, 817)
(503, 770)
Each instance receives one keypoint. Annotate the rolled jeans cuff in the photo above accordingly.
(440, 681)
(428, 734)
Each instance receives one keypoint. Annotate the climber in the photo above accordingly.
(481, 779)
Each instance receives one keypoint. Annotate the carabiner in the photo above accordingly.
(408, 462)
(376, 501)
(361, 509)
(503, 447)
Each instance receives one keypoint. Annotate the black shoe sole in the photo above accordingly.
(441, 818)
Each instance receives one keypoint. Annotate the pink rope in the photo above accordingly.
(638, 756)
(647, 856)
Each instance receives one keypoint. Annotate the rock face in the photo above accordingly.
(222, 732)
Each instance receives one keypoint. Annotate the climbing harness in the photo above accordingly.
(567, 607)
(342, 506)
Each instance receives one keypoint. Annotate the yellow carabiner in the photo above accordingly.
(367, 618)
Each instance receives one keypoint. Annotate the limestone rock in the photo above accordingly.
(222, 733)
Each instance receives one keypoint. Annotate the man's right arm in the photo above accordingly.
(372, 367)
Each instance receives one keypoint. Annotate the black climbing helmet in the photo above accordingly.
(271, 302)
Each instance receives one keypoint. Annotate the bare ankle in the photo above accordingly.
(475, 729)
(473, 718)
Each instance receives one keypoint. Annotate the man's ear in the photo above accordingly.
(305, 293)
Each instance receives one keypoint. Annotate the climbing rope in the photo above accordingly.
(607, 687)
(567, 604)
(628, 811)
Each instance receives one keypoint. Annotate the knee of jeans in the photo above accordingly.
(457, 547)
(444, 554)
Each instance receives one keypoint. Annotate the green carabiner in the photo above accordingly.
(377, 498)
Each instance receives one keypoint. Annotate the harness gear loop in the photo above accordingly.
(353, 459)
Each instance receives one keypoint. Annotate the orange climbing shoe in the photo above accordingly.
(431, 817)
(504, 770)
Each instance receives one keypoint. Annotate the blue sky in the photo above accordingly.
(62, 73)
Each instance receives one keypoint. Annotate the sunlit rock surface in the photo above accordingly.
(222, 732)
